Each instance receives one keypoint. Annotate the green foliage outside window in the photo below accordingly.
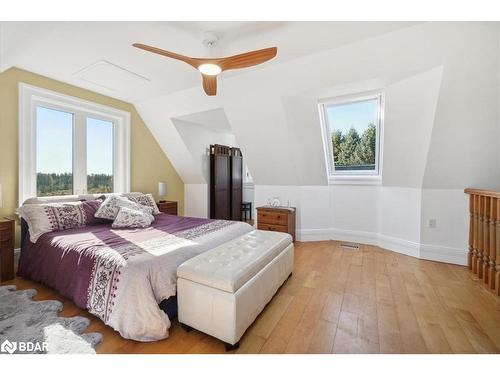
(49, 184)
(352, 151)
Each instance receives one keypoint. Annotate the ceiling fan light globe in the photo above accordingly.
(209, 69)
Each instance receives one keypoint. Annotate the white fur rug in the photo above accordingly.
(35, 327)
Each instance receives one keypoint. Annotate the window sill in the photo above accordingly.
(354, 180)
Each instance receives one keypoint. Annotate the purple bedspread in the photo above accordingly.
(68, 269)
(121, 275)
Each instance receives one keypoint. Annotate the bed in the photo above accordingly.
(126, 277)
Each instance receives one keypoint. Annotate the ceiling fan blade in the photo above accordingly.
(209, 84)
(190, 60)
(248, 59)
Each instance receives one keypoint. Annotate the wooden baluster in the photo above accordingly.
(486, 239)
(475, 199)
(484, 236)
(497, 255)
(480, 247)
(493, 241)
(471, 231)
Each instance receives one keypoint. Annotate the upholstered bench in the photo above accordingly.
(222, 291)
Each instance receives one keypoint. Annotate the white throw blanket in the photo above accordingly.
(128, 283)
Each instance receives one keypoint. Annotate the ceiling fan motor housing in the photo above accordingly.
(210, 39)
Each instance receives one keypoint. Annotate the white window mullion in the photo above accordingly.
(121, 153)
(80, 154)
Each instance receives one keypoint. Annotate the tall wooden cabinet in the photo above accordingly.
(236, 183)
(226, 182)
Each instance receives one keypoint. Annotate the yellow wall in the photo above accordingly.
(148, 162)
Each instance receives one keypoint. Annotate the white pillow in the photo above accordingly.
(130, 218)
(146, 200)
(44, 218)
(111, 206)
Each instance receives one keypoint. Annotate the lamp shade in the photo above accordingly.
(162, 188)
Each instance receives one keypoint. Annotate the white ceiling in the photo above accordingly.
(63, 50)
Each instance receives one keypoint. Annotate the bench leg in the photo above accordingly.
(186, 328)
(231, 347)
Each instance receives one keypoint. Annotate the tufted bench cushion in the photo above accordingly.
(232, 264)
(222, 291)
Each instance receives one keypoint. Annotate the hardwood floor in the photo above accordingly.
(346, 301)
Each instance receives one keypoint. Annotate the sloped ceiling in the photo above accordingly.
(449, 70)
(433, 73)
(62, 49)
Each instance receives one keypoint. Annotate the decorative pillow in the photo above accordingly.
(111, 206)
(130, 218)
(145, 200)
(50, 217)
(90, 208)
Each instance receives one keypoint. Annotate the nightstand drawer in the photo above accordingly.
(6, 233)
(273, 227)
(278, 219)
(6, 249)
(272, 217)
(170, 210)
(6, 243)
(5, 225)
(169, 207)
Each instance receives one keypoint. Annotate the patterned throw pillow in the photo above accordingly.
(111, 206)
(145, 200)
(130, 218)
(50, 217)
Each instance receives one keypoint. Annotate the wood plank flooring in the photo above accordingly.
(346, 301)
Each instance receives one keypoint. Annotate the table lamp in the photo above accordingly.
(162, 191)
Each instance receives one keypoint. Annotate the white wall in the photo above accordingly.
(441, 134)
(208, 129)
(198, 140)
(196, 200)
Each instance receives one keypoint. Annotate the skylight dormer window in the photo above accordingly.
(352, 133)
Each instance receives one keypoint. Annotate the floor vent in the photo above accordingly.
(349, 245)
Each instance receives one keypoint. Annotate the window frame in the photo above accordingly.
(367, 177)
(31, 97)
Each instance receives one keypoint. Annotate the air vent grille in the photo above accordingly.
(349, 245)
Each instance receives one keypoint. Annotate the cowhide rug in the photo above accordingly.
(28, 326)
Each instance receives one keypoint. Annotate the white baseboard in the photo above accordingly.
(308, 235)
(398, 245)
(444, 254)
(367, 238)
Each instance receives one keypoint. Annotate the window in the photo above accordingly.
(352, 128)
(70, 146)
(99, 156)
(54, 152)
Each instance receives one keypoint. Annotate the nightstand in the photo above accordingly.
(6, 249)
(276, 219)
(168, 207)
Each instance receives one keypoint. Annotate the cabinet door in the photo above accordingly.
(220, 199)
(236, 184)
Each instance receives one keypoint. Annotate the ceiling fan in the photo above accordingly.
(210, 67)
